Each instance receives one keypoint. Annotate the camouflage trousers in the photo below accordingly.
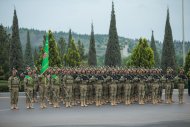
(127, 93)
(29, 94)
(113, 92)
(98, 90)
(167, 93)
(14, 95)
(141, 93)
(56, 93)
(42, 91)
(69, 93)
(83, 92)
(181, 91)
(155, 87)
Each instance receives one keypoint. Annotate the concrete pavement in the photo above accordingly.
(148, 115)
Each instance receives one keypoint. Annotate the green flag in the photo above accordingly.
(45, 62)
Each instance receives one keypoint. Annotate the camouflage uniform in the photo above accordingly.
(69, 80)
(36, 87)
(55, 83)
(181, 79)
(91, 84)
(113, 91)
(155, 87)
(141, 90)
(98, 89)
(127, 92)
(83, 90)
(42, 90)
(29, 88)
(14, 84)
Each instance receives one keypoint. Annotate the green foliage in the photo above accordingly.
(92, 61)
(16, 56)
(113, 55)
(54, 56)
(72, 58)
(142, 55)
(4, 52)
(35, 57)
(62, 47)
(69, 40)
(156, 56)
(81, 50)
(168, 53)
(28, 52)
(187, 62)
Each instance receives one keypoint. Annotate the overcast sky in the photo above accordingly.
(134, 18)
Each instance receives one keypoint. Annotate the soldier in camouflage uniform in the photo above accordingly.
(160, 88)
(91, 84)
(188, 76)
(181, 80)
(98, 87)
(168, 86)
(141, 87)
(68, 80)
(14, 84)
(120, 84)
(29, 88)
(127, 88)
(42, 88)
(55, 84)
(155, 86)
(36, 85)
(113, 88)
(48, 87)
(83, 88)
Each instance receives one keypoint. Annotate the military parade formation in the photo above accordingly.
(96, 85)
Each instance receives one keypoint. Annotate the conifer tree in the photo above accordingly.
(113, 55)
(4, 52)
(54, 56)
(62, 47)
(81, 49)
(69, 40)
(36, 57)
(142, 55)
(92, 61)
(153, 46)
(16, 55)
(168, 52)
(28, 52)
(72, 58)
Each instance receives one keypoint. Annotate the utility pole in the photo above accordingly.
(183, 36)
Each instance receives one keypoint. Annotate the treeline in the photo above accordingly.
(24, 47)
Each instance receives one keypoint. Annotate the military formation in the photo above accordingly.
(99, 86)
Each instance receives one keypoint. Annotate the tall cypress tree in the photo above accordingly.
(28, 52)
(4, 52)
(168, 52)
(69, 40)
(153, 46)
(63, 48)
(113, 55)
(92, 61)
(36, 57)
(81, 49)
(16, 55)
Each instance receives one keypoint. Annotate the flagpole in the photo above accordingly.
(183, 36)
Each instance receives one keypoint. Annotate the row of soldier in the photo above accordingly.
(86, 86)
